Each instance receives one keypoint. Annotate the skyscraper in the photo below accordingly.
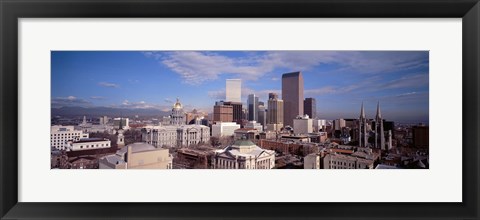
(234, 90)
(222, 113)
(292, 95)
(237, 111)
(252, 103)
(310, 107)
(275, 111)
(262, 115)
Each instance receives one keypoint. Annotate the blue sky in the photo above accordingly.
(339, 80)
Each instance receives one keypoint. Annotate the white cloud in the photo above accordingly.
(69, 101)
(97, 97)
(199, 67)
(107, 84)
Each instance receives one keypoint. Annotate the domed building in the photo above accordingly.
(243, 154)
(178, 116)
(178, 133)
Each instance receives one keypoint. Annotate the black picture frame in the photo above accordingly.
(12, 10)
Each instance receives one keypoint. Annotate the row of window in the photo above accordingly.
(87, 146)
(65, 134)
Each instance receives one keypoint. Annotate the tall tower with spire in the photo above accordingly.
(120, 137)
(379, 133)
(362, 129)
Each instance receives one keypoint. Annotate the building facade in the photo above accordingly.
(252, 103)
(233, 90)
(302, 125)
(222, 129)
(177, 116)
(89, 144)
(138, 156)
(222, 113)
(274, 113)
(254, 125)
(310, 107)
(243, 154)
(237, 111)
(292, 95)
(61, 135)
(176, 136)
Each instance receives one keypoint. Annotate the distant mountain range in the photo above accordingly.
(101, 111)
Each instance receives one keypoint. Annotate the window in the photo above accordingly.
(81, 146)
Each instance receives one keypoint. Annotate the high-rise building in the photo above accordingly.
(310, 107)
(252, 103)
(262, 115)
(292, 95)
(237, 111)
(223, 113)
(274, 112)
(233, 90)
(272, 95)
(420, 136)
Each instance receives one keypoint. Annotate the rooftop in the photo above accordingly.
(137, 147)
(86, 140)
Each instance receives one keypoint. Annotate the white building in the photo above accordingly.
(336, 161)
(222, 129)
(173, 136)
(125, 123)
(233, 90)
(60, 135)
(311, 161)
(319, 124)
(243, 154)
(89, 144)
(254, 125)
(103, 120)
(302, 125)
(339, 124)
(138, 156)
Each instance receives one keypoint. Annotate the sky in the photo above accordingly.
(339, 80)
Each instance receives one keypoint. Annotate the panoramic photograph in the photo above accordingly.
(239, 110)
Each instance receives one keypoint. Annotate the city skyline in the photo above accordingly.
(339, 80)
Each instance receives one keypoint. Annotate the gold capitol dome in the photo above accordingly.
(177, 104)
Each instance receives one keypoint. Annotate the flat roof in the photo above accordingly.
(86, 140)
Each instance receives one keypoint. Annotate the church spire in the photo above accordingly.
(362, 112)
(379, 114)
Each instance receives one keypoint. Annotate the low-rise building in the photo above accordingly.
(138, 156)
(61, 135)
(254, 125)
(325, 160)
(222, 129)
(243, 154)
(250, 133)
(176, 136)
(302, 125)
(89, 144)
